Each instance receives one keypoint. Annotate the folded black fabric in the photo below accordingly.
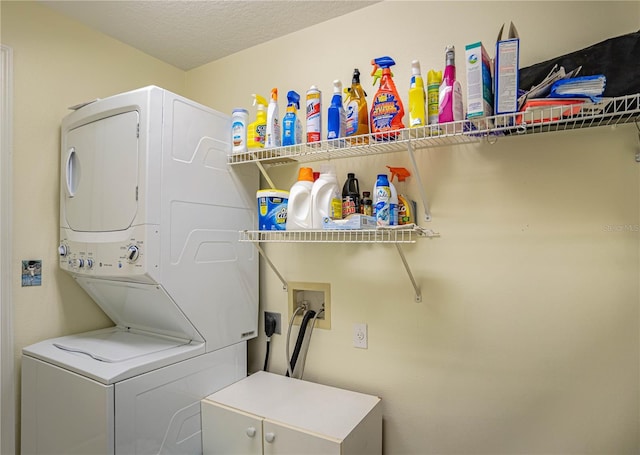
(617, 58)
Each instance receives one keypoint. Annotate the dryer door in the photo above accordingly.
(100, 174)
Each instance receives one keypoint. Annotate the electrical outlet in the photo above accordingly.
(268, 315)
(360, 338)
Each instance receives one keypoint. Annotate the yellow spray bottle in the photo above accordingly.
(256, 131)
(417, 97)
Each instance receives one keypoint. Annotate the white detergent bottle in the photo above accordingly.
(299, 210)
(326, 198)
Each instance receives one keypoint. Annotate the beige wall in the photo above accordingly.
(57, 63)
(526, 340)
(527, 337)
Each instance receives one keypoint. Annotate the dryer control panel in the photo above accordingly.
(124, 257)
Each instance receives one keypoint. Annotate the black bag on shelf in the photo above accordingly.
(617, 58)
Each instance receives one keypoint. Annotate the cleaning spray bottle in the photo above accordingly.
(273, 138)
(406, 206)
(336, 117)
(357, 110)
(291, 126)
(434, 79)
(450, 96)
(417, 97)
(387, 110)
(256, 131)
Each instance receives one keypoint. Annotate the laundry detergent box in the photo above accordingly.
(272, 209)
(505, 72)
(479, 87)
(353, 221)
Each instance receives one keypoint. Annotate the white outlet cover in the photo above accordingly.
(360, 338)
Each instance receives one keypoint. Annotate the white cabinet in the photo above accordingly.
(276, 415)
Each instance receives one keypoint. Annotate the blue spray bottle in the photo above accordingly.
(291, 126)
(336, 116)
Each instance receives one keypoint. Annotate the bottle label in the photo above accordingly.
(349, 206)
(336, 208)
(352, 118)
(260, 133)
(385, 109)
(237, 130)
(433, 93)
(382, 206)
(313, 117)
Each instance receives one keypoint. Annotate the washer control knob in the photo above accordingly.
(89, 263)
(133, 252)
(63, 250)
(79, 263)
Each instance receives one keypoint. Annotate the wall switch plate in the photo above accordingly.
(360, 338)
(32, 272)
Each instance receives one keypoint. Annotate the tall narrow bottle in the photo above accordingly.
(291, 127)
(336, 117)
(273, 138)
(450, 96)
(417, 97)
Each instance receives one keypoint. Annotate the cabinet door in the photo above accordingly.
(280, 439)
(227, 431)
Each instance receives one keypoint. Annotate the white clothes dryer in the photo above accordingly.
(149, 219)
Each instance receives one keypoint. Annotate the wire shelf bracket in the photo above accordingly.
(396, 237)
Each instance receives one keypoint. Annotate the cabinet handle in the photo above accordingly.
(251, 432)
(269, 437)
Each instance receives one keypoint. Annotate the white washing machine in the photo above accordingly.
(149, 219)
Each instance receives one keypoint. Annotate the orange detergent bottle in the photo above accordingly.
(387, 110)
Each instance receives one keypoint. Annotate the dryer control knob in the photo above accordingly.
(63, 250)
(89, 263)
(133, 252)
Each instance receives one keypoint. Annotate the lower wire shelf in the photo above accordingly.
(396, 237)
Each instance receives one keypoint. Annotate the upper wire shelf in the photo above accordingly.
(394, 236)
(608, 112)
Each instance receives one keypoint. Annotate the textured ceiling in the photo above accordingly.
(190, 33)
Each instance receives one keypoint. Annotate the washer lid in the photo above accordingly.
(113, 354)
(116, 346)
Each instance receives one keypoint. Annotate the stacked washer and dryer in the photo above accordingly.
(149, 219)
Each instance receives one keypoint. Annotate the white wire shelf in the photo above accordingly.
(608, 112)
(385, 236)
(393, 236)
